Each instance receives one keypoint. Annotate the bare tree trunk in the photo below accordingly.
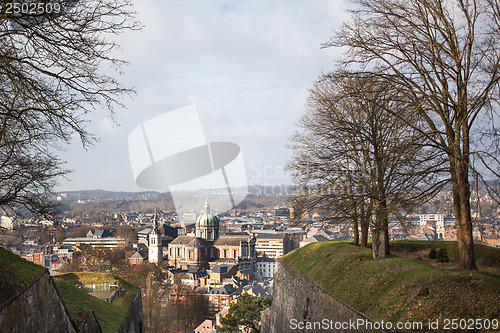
(355, 223)
(386, 234)
(379, 245)
(365, 223)
(463, 218)
(459, 169)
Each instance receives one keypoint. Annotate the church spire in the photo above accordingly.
(155, 226)
(207, 206)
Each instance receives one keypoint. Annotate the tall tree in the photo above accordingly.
(446, 56)
(348, 139)
(244, 314)
(51, 76)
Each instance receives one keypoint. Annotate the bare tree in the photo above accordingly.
(445, 55)
(348, 139)
(51, 76)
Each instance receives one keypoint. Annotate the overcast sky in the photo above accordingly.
(246, 65)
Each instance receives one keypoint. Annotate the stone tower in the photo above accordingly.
(155, 254)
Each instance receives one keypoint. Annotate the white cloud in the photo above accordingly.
(107, 127)
(246, 64)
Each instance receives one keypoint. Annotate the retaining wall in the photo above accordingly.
(300, 305)
(38, 308)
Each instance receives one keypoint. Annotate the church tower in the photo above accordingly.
(207, 225)
(155, 254)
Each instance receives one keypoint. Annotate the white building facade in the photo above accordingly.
(265, 266)
(155, 249)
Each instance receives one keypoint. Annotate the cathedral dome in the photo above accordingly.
(207, 219)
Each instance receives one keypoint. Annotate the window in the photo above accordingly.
(235, 253)
(225, 253)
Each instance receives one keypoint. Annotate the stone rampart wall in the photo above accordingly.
(300, 305)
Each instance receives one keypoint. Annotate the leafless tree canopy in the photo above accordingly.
(360, 153)
(53, 71)
(445, 55)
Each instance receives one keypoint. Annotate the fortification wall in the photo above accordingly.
(134, 320)
(37, 309)
(90, 324)
(299, 304)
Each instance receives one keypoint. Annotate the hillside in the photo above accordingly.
(15, 274)
(29, 300)
(399, 288)
(79, 302)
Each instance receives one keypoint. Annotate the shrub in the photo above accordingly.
(442, 255)
(432, 253)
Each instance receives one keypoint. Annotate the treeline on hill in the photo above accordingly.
(97, 209)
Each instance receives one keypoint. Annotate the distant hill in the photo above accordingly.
(258, 198)
(103, 194)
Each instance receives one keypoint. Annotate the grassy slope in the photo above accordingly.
(397, 289)
(15, 274)
(109, 315)
(486, 256)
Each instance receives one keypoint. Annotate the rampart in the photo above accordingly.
(300, 305)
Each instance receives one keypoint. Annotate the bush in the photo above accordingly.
(432, 253)
(442, 255)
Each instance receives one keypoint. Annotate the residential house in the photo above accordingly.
(218, 297)
(265, 266)
(313, 239)
(138, 258)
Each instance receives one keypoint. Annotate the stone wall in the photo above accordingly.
(90, 324)
(134, 321)
(38, 308)
(300, 305)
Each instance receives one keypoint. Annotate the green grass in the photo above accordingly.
(486, 256)
(15, 274)
(86, 278)
(109, 315)
(397, 289)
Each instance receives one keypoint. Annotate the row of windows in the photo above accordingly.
(235, 254)
(225, 253)
(189, 253)
(264, 265)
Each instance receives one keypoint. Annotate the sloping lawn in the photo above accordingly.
(397, 288)
(79, 302)
(15, 274)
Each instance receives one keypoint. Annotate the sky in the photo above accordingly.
(246, 65)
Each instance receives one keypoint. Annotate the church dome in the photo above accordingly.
(207, 219)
